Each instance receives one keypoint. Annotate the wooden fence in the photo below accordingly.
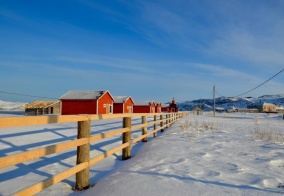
(83, 141)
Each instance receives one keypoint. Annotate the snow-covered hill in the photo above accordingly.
(230, 102)
(11, 106)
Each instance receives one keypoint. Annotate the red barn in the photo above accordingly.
(123, 104)
(165, 108)
(86, 102)
(158, 107)
(144, 107)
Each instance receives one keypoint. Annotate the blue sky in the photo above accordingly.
(150, 50)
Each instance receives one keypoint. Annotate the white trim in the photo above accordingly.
(61, 107)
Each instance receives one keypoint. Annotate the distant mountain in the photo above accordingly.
(11, 106)
(229, 102)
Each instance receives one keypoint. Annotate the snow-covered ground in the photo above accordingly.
(231, 154)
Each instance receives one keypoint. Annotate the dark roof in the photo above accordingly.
(82, 94)
(143, 103)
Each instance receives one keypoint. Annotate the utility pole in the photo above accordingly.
(214, 108)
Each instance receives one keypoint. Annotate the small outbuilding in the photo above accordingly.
(122, 104)
(144, 107)
(197, 111)
(87, 102)
(158, 107)
(42, 107)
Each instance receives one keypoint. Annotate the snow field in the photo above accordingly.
(197, 155)
(218, 157)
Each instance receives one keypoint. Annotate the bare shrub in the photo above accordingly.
(267, 133)
(192, 128)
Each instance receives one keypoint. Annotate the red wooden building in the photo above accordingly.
(86, 102)
(144, 107)
(123, 104)
(173, 106)
(158, 107)
(165, 108)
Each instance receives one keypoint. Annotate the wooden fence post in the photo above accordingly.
(155, 125)
(162, 122)
(144, 129)
(167, 120)
(126, 137)
(83, 155)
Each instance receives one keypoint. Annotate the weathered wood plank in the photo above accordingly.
(53, 180)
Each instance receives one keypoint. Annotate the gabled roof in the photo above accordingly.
(197, 109)
(83, 95)
(40, 104)
(144, 103)
(121, 99)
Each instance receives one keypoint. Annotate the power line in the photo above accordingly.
(18, 94)
(219, 94)
(260, 84)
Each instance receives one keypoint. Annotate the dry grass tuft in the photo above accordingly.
(192, 128)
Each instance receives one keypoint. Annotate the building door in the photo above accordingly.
(108, 109)
(130, 109)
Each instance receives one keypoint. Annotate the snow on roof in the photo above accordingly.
(82, 94)
(142, 103)
(120, 99)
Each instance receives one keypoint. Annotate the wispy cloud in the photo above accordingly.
(111, 63)
(11, 16)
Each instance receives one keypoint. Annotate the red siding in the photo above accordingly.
(144, 108)
(164, 109)
(129, 103)
(159, 108)
(141, 109)
(117, 108)
(78, 107)
(104, 99)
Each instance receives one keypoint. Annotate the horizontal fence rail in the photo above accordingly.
(83, 141)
